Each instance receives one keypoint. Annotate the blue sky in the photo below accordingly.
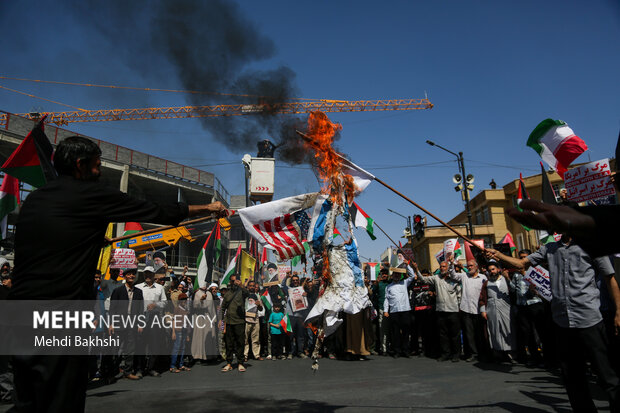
(492, 69)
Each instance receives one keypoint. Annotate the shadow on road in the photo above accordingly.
(209, 401)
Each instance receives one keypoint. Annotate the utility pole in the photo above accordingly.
(464, 186)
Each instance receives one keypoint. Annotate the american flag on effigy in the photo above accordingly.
(282, 224)
(286, 233)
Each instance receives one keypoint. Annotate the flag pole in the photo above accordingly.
(150, 231)
(445, 224)
(393, 242)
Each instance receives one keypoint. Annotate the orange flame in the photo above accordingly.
(322, 132)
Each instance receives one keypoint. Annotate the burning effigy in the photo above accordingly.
(342, 286)
(284, 226)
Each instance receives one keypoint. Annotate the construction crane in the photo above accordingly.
(325, 105)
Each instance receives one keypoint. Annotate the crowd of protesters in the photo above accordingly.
(462, 312)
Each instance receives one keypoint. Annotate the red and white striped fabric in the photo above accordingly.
(281, 224)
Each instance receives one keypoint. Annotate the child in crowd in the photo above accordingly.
(277, 336)
(179, 335)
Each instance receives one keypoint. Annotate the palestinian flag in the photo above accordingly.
(31, 162)
(508, 240)
(556, 144)
(521, 195)
(9, 199)
(232, 268)
(286, 325)
(361, 219)
(266, 299)
(130, 228)
(263, 258)
(374, 270)
(207, 258)
(548, 194)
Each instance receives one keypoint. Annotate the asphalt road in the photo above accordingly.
(381, 384)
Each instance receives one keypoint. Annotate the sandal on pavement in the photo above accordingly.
(226, 368)
(175, 371)
(186, 368)
(241, 368)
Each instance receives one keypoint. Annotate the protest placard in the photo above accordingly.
(589, 181)
(539, 278)
(123, 258)
(296, 298)
(282, 271)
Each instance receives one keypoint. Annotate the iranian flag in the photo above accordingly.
(286, 325)
(9, 199)
(266, 299)
(232, 267)
(361, 219)
(31, 162)
(521, 195)
(374, 270)
(556, 144)
(508, 240)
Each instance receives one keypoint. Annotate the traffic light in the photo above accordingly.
(418, 226)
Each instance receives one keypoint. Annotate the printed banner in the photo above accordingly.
(123, 258)
(282, 271)
(589, 181)
(296, 298)
(539, 278)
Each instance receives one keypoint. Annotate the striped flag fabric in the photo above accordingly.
(266, 299)
(548, 194)
(9, 199)
(362, 220)
(521, 195)
(374, 270)
(281, 224)
(232, 268)
(556, 144)
(508, 240)
(286, 325)
(209, 254)
(31, 162)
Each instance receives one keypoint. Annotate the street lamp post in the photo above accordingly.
(461, 162)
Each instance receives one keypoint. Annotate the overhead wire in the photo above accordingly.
(147, 89)
(42, 98)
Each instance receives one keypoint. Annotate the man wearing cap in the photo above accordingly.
(151, 340)
(127, 301)
(397, 308)
(59, 234)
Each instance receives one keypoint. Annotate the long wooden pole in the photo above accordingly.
(458, 233)
(150, 231)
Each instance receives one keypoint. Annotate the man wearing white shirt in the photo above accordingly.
(152, 339)
(471, 320)
(397, 307)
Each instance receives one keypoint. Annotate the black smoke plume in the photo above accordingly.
(209, 45)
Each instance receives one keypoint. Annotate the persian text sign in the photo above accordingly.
(539, 278)
(589, 181)
(123, 258)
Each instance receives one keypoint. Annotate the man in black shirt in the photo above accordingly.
(60, 231)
